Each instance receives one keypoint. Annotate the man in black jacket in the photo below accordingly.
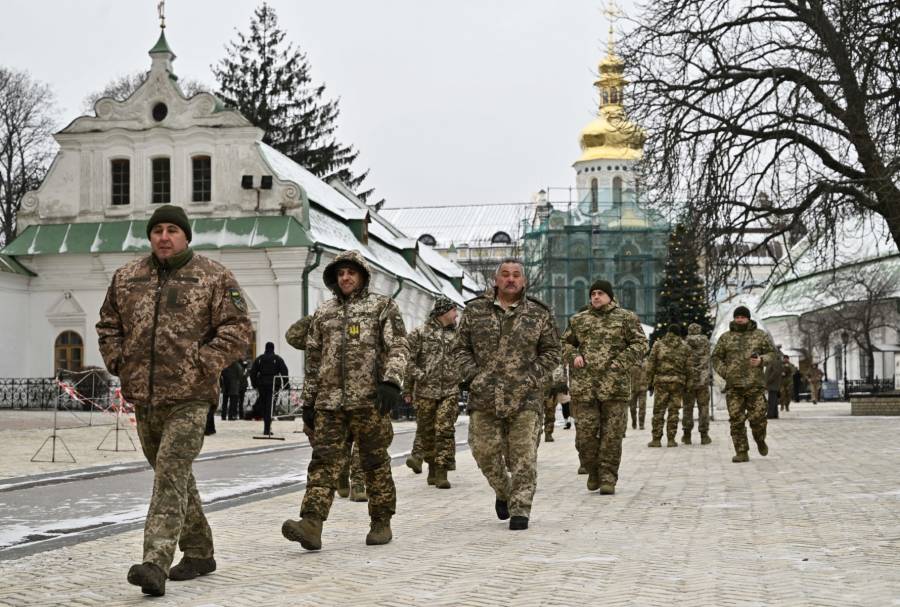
(267, 375)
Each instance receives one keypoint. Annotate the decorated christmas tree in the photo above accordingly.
(682, 296)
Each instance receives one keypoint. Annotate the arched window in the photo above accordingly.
(161, 181)
(427, 239)
(579, 294)
(201, 181)
(68, 352)
(594, 195)
(629, 297)
(617, 190)
(501, 238)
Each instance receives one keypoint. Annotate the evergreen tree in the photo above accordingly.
(682, 296)
(269, 82)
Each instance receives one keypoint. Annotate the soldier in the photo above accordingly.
(738, 358)
(787, 382)
(698, 386)
(507, 348)
(602, 344)
(356, 355)
(432, 386)
(170, 323)
(667, 373)
(555, 390)
(815, 383)
(638, 402)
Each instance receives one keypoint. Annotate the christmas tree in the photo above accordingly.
(269, 82)
(682, 296)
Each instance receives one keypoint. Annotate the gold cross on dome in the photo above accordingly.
(161, 10)
(612, 12)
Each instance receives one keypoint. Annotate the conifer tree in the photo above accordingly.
(682, 296)
(268, 80)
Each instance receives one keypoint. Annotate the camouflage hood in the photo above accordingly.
(693, 329)
(353, 257)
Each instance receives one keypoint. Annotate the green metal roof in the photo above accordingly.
(162, 45)
(11, 266)
(131, 236)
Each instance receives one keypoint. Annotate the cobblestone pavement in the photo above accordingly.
(817, 522)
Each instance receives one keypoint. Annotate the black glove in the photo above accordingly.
(309, 416)
(387, 397)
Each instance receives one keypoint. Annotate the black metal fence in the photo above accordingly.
(28, 393)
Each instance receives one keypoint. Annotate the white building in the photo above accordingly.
(269, 220)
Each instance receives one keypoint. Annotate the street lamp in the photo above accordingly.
(845, 339)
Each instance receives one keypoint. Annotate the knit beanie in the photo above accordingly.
(442, 305)
(741, 311)
(169, 213)
(602, 285)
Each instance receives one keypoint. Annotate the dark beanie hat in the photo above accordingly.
(442, 305)
(602, 285)
(742, 311)
(270, 347)
(169, 213)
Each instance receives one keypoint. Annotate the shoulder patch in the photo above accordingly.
(237, 299)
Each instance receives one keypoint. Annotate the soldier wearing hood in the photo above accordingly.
(667, 374)
(356, 353)
(697, 390)
(738, 358)
(506, 350)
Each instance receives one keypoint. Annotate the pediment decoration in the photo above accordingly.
(66, 312)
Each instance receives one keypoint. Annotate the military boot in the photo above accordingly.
(582, 470)
(189, 568)
(431, 472)
(763, 447)
(641, 426)
(607, 489)
(671, 442)
(150, 577)
(704, 438)
(686, 438)
(593, 481)
(343, 488)
(414, 463)
(358, 494)
(741, 456)
(440, 478)
(655, 443)
(379, 532)
(451, 466)
(518, 523)
(307, 531)
(501, 507)
(548, 437)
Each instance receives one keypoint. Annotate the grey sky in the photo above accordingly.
(474, 101)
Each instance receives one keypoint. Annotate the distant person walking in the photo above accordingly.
(268, 375)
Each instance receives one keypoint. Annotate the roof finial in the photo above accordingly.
(612, 12)
(161, 9)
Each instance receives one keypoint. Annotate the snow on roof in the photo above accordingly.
(464, 224)
(439, 262)
(450, 291)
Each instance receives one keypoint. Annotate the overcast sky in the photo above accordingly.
(473, 101)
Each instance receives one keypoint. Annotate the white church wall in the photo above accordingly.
(15, 342)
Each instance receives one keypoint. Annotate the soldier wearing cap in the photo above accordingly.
(170, 323)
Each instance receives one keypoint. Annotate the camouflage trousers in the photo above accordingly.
(700, 396)
(435, 440)
(666, 405)
(573, 406)
(746, 404)
(171, 437)
(549, 414)
(784, 396)
(638, 407)
(353, 466)
(602, 425)
(373, 434)
(505, 450)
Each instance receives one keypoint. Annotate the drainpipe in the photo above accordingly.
(305, 279)
(399, 288)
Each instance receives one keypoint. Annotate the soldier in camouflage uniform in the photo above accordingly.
(507, 348)
(352, 472)
(787, 383)
(170, 323)
(738, 358)
(356, 355)
(667, 373)
(697, 390)
(432, 386)
(638, 402)
(601, 345)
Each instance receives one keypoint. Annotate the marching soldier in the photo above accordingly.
(698, 386)
(667, 373)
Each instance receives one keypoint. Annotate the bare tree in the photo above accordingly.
(26, 145)
(124, 86)
(794, 98)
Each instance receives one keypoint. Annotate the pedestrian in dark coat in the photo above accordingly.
(268, 374)
(232, 377)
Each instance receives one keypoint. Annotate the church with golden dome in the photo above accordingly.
(603, 230)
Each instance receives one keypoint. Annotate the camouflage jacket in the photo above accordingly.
(639, 377)
(787, 375)
(353, 343)
(507, 356)
(698, 344)
(731, 357)
(432, 372)
(611, 341)
(296, 334)
(669, 362)
(168, 333)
